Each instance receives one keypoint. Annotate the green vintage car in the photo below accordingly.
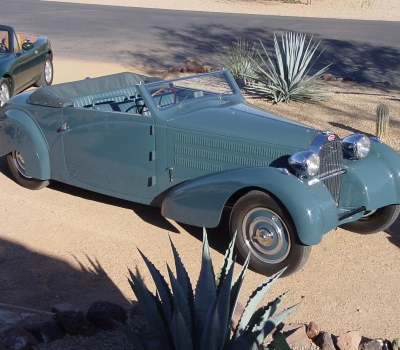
(194, 147)
(25, 60)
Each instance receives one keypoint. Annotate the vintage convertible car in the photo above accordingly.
(25, 60)
(194, 147)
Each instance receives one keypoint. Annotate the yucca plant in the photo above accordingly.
(284, 75)
(186, 319)
(382, 122)
(241, 59)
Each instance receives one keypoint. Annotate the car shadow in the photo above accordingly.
(34, 280)
(394, 233)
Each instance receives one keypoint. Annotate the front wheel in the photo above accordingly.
(266, 231)
(374, 221)
(16, 164)
(4, 91)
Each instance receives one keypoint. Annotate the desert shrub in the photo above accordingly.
(283, 76)
(382, 122)
(201, 319)
(241, 59)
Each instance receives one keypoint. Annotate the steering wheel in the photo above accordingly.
(170, 88)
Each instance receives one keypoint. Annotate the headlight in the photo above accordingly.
(305, 163)
(357, 145)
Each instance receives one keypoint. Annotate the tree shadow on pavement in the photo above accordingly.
(361, 61)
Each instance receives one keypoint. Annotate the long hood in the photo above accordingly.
(247, 122)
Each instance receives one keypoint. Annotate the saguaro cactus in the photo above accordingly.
(382, 123)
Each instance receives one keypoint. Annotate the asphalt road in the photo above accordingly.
(157, 39)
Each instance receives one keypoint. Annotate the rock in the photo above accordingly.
(51, 331)
(349, 341)
(375, 344)
(102, 314)
(173, 72)
(20, 339)
(312, 330)
(75, 323)
(324, 341)
(296, 336)
(193, 65)
(328, 77)
(64, 307)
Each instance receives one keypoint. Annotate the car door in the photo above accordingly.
(28, 65)
(110, 151)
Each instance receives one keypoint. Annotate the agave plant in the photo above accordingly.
(284, 75)
(241, 59)
(186, 319)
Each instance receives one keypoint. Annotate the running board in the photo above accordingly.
(352, 212)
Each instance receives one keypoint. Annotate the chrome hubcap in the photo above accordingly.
(4, 94)
(266, 235)
(20, 164)
(48, 72)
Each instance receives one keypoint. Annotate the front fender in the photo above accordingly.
(20, 132)
(200, 202)
(374, 181)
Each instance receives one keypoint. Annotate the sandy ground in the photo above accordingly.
(66, 244)
(382, 10)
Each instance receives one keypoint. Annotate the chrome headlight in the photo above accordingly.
(305, 163)
(357, 145)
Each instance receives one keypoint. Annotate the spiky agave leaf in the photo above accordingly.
(162, 287)
(279, 342)
(240, 59)
(224, 306)
(237, 285)
(150, 309)
(252, 303)
(180, 332)
(251, 340)
(225, 264)
(265, 311)
(183, 279)
(211, 335)
(181, 303)
(205, 294)
(284, 76)
(135, 336)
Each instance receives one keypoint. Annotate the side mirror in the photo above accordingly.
(27, 45)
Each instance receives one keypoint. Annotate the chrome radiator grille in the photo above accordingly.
(331, 165)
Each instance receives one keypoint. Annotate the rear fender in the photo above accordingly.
(200, 202)
(20, 132)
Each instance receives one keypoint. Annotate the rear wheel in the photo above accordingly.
(47, 73)
(4, 91)
(266, 231)
(374, 221)
(16, 164)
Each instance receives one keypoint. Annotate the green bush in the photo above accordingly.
(201, 319)
(284, 75)
(241, 59)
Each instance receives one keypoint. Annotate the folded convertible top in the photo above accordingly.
(61, 95)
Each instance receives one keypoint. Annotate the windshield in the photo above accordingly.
(181, 90)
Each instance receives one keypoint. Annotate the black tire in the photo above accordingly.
(47, 73)
(374, 221)
(259, 214)
(5, 93)
(17, 167)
